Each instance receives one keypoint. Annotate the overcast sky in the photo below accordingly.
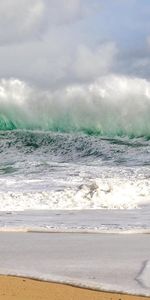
(54, 43)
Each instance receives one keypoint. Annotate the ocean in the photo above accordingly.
(74, 171)
(80, 149)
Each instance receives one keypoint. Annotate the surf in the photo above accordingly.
(111, 106)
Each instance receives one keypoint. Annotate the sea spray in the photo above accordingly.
(110, 106)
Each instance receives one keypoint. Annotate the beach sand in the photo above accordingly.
(18, 288)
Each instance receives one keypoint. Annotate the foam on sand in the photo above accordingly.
(103, 262)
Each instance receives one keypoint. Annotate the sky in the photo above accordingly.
(51, 44)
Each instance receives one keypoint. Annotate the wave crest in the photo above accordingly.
(112, 105)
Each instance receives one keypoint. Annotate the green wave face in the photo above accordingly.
(110, 107)
(136, 129)
(104, 122)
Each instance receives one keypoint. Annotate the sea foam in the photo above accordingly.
(112, 105)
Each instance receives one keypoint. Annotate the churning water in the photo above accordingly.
(83, 147)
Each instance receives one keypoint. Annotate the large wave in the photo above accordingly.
(111, 106)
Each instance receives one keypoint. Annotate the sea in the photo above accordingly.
(49, 171)
(79, 161)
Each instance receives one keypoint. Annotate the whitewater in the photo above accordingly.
(82, 148)
(76, 160)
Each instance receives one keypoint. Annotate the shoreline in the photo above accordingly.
(109, 263)
(26, 288)
(78, 221)
(74, 231)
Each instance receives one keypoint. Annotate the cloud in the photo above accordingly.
(91, 63)
(148, 42)
(57, 62)
(64, 11)
(134, 61)
(20, 19)
(61, 12)
(54, 43)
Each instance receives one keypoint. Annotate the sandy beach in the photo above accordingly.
(23, 288)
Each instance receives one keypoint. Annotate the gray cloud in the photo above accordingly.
(55, 63)
(20, 19)
(50, 43)
(64, 11)
(91, 63)
(37, 42)
(135, 61)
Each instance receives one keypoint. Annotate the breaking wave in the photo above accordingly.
(96, 194)
(111, 106)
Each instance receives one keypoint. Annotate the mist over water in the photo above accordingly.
(110, 106)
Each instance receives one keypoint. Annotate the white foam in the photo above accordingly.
(112, 105)
(104, 262)
(144, 276)
(83, 221)
(96, 194)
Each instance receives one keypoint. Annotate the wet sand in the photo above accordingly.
(18, 288)
(99, 261)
